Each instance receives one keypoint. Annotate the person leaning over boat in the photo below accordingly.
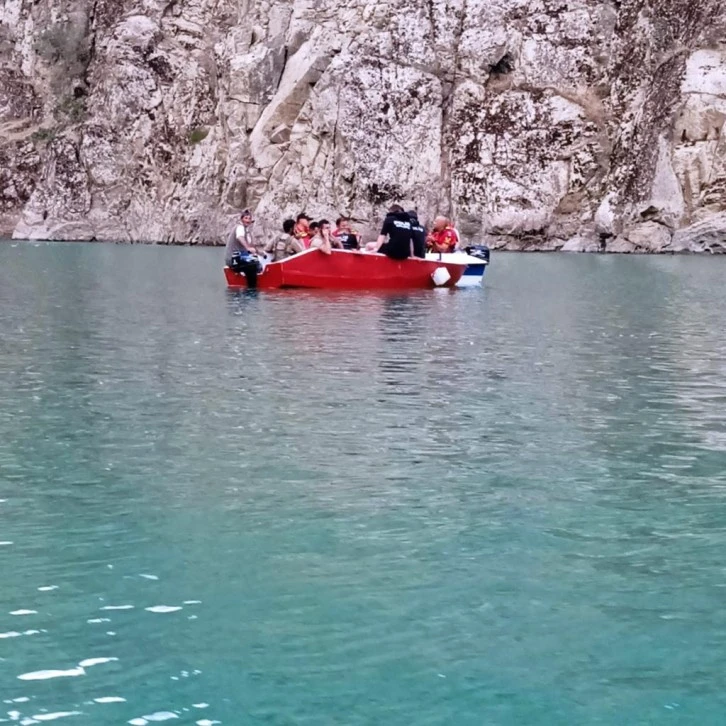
(324, 240)
(396, 237)
(302, 229)
(443, 237)
(241, 239)
(286, 245)
(419, 235)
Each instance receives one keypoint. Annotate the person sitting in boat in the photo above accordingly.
(286, 244)
(302, 229)
(419, 235)
(241, 240)
(324, 240)
(396, 237)
(345, 234)
(443, 237)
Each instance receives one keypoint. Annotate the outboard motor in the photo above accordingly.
(247, 264)
(481, 252)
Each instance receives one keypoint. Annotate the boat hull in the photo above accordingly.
(349, 270)
(475, 268)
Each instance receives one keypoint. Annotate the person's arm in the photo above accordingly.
(375, 246)
(457, 239)
(336, 243)
(325, 246)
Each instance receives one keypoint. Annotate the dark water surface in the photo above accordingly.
(501, 506)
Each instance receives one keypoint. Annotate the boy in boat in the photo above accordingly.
(241, 239)
(286, 245)
(419, 235)
(396, 237)
(302, 229)
(443, 237)
(345, 234)
(324, 239)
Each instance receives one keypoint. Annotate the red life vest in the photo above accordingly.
(304, 235)
(444, 240)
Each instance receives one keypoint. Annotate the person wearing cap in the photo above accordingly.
(443, 237)
(302, 229)
(419, 235)
(241, 240)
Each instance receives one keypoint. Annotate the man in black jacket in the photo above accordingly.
(419, 235)
(396, 238)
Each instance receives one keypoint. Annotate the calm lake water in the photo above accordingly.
(501, 506)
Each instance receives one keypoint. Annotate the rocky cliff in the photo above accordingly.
(537, 124)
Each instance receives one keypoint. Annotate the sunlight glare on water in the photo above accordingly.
(498, 506)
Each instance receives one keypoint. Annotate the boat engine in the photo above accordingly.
(481, 252)
(247, 264)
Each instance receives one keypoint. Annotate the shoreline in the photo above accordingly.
(543, 250)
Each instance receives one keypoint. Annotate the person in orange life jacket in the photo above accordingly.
(419, 234)
(302, 229)
(345, 234)
(324, 240)
(396, 238)
(443, 237)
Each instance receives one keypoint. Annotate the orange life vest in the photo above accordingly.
(445, 240)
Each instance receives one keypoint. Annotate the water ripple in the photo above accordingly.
(451, 508)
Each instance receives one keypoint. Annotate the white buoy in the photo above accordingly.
(440, 276)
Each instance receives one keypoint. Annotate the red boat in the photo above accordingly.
(349, 270)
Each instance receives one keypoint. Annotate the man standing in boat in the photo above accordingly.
(396, 237)
(241, 240)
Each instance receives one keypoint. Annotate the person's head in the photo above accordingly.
(412, 215)
(246, 217)
(324, 226)
(288, 225)
(395, 209)
(313, 227)
(303, 220)
(440, 222)
(343, 223)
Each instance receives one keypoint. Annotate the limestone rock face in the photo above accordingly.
(583, 125)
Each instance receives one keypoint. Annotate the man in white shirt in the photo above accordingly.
(241, 239)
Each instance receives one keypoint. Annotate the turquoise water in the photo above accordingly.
(500, 506)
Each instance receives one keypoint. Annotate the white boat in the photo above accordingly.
(476, 263)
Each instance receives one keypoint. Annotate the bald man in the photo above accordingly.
(443, 237)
